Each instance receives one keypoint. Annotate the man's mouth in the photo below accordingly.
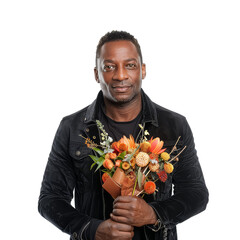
(121, 89)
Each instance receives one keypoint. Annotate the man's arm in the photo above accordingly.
(190, 193)
(57, 190)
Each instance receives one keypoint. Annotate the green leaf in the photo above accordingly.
(99, 165)
(92, 165)
(161, 164)
(94, 158)
(122, 155)
(99, 151)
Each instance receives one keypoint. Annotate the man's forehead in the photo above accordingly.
(119, 49)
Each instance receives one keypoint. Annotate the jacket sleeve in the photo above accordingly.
(190, 192)
(57, 191)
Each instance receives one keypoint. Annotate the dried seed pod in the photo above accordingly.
(153, 167)
(142, 159)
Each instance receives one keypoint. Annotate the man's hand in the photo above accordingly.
(110, 230)
(133, 211)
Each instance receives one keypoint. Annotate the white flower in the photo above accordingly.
(146, 132)
(110, 139)
(153, 161)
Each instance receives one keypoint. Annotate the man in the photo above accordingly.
(120, 105)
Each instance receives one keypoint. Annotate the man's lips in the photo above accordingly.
(121, 89)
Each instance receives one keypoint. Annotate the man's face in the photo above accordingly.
(119, 71)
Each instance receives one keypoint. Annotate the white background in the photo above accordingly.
(47, 52)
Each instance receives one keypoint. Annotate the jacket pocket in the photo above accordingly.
(79, 153)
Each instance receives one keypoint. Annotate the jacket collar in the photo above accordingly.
(149, 109)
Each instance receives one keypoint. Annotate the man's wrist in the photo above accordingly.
(153, 218)
(88, 233)
(156, 223)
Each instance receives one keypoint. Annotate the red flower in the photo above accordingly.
(156, 145)
(149, 187)
(162, 176)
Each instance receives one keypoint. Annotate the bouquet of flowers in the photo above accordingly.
(129, 167)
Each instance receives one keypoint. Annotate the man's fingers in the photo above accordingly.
(122, 205)
(121, 212)
(122, 227)
(124, 236)
(124, 199)
(111, 230)
(120, 219)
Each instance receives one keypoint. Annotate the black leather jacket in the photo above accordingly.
(68, 168)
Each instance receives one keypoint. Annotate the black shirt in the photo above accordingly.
(117, 130)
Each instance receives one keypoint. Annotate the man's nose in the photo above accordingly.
(120, 74)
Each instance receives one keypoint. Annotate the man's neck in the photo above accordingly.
(123, 112)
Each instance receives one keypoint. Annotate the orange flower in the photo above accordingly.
(165, 156)
(125, 166)
(108, 164)
(117, 163)
(114, 146)
(124, 144)
(133, 162)
(153, 156)
(112, 155)
(107, 156)
(149, 187)
(168, 167)
(131, 142)
(105, 176)
(156, 145)
(145, 147)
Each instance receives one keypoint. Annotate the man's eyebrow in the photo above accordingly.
(127, 60)
(131, 59)
(108, 60)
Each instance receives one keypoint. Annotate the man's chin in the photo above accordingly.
(123, 99)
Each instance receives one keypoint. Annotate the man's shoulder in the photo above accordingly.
(75, 119)
(167, 113)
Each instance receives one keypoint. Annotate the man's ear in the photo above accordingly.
(96, 75)
(143, 70)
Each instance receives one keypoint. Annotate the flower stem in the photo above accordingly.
(139, 193)
(175, 145)
(177, 154)
(134, 186)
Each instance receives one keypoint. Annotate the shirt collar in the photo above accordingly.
(148, 108)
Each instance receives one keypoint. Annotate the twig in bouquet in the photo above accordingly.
(141, 131)
(174, 147)
(89, 142)
(176, 160)
(145, 170)
(140, 193)
(177, 154)
(156, 180)
(147, 173)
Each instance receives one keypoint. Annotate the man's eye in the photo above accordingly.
(108, 68)
(131, 65)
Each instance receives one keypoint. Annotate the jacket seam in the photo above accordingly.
(83, 229)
